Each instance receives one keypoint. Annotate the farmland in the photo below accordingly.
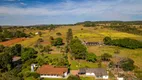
(87, 34)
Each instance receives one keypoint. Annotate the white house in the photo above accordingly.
(98, 73)
(48, 71)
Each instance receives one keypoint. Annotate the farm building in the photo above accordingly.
(98, 73)
(92, 43)
(48, 71)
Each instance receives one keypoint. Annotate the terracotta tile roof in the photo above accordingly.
(16, 58)
(51, 70)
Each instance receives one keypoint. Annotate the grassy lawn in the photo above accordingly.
(77, 64)
(53, 79)
(87, 78)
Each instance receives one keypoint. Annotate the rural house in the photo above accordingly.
(48, 71)
(98, 73)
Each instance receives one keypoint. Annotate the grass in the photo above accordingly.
(87, 78)
(77, 64)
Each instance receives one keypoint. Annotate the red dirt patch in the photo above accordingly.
(13, 41)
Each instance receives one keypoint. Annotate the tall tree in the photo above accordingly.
(69, 35)
(27, 53)
(78, 50)
(0, 29)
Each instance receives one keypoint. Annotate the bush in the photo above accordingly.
(72, 77)
(91, 57)
(58, 34)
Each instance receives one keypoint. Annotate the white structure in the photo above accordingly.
(120, 78)
(33, 67)
(98, 73)
(48, 71)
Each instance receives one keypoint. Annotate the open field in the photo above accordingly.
(91, 34)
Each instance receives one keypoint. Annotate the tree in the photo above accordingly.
(91, 57)
(0, 29)
(127, 64)
(72, 77)
(16, 50)
(58, 34)
(106, 57)
(5, 61)
(107, 40)
(57, 42)
(1, 48)
(47, 49)
(51, 38)
(39, 33)
(78, 50)
(69, 35)
(27, 53)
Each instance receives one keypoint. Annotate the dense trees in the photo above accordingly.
(27, 53)
(106, 57)
(127, 64)
(78, 50)
(16, 50)
(5, 61)
(91, 57)
(89, 24)
(126, 42)
(57, 42)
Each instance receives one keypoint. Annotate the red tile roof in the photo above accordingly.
(51, 70)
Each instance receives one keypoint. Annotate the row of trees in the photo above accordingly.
(126, 28)
(126, 42)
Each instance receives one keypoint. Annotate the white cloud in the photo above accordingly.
(87, 10)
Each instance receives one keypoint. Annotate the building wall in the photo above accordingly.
(90, 74)
(65, 74)
(54, 76)
(105, 77)
(50, 76)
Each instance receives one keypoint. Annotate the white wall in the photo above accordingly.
(105, 77)
(90, 74)
(50, 76)
(53, 76)
(65, 74)
(120, 78)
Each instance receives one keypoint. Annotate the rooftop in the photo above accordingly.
(97, 71)
(51, 70)
(16, 58)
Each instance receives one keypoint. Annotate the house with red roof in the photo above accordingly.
(49, 71)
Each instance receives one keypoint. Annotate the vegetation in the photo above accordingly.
(72, 77)
(91, 57)
(69, 36)
(78, 50)
(106, 57)
(6, 35)
(57, 42)
(27, 53)
(126, 42)
(127, 64)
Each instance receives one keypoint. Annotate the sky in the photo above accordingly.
(33, 12)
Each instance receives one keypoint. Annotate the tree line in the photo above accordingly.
(126, 42)
(6, 35)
